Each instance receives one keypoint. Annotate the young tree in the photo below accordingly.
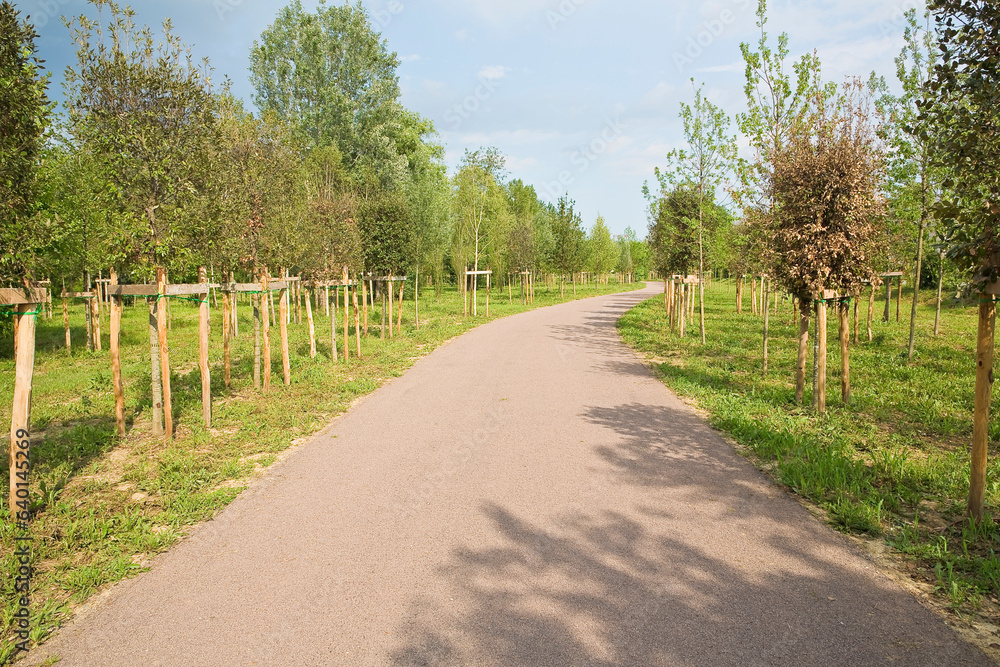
(24, 116)
(483, 218)
(964, 116)
(335, 78)
(710, 155)
(827, 189)
(568, 240)
(604, 253)
(915, 182)
(143, 109)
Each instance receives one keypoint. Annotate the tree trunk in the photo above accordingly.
(256, 300)
(115, 329)
(203, 329)
(845, 351)
(767, 316)
(981, 417)
(161, 324)
(937, 314)
(800, 367)
(916, 290)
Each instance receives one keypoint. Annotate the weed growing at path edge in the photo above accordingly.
(893, 465)
(104, 507)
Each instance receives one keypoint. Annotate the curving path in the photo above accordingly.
(526, 495)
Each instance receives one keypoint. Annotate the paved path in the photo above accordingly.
(527, 495)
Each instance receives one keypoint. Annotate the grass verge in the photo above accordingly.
(104, 507)
(891, 467)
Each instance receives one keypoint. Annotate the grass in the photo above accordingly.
(893, 465)
(103, 507)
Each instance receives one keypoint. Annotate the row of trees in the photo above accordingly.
(154, 163)
(848, 182)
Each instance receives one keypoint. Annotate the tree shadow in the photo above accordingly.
(686, 556)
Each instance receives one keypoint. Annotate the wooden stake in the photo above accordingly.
(283, 316)
(267, 302)
(347, 318)
(981, 416)
(226, 322)
(381, 333)
(844, 310)
(312, 327)
(69, 341)
(357, 320)
(888, 299)
(203, 328)
(161, 328)
(767, 317)
(364, 301)
(115, 329)
(389, 288)
(20, 419)
(857, 305)
(88, 307)
(333, 324)
(899, 296)
(399, 311)
(255, 302)
(871, 313)
(487, 295)
(801, 360)
(156, 383)
(821, 331)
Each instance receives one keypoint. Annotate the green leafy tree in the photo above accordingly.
(335, 78)
(143, 109)
(482, 213)
(604, 254)
(568, 237)
(710, 155)
(24, 117)
(964, 116)
(915, 183)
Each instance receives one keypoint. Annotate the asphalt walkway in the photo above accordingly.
(528, 494)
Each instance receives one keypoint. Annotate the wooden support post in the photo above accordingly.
(488, 295)
(227, 298)
(267, 302)
(683, 307)
(899, 295)
(161, 328)
(69, 341)
(284, 316)
(115, 329)
(256, 301)
(844, 311)
(888, 299)
(981, 416)
(20, 421)
(381, 333)
(156, 383)
(234, 300)
(88, 306)
(357, 321)
(203, 328)
(803, 352)
(821, 331)
(767, 317)
(312, 327)
(857, 306)
(364, 302)
(297, 287)
(271, 309)
(399, 311)
(871, 313)
(333, 325)
(326, 304)
(347, 318)
(392, 297)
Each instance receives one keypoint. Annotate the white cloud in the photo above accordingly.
(493, 72)
(462, 35)
(410, 58)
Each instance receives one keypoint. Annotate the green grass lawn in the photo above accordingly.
(893, 464)
(103, 507)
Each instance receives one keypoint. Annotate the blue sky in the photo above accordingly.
(581, 95)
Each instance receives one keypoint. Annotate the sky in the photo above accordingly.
(582, 96)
